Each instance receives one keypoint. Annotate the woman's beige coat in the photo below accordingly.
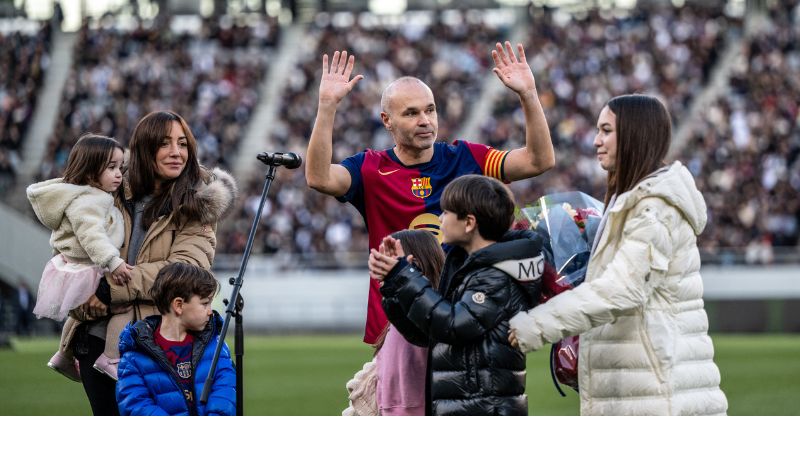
(644, 345)
(165, 242)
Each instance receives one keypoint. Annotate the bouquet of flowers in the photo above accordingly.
(569, 222)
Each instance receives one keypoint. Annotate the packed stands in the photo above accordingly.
(208, 71)
(24, 57)
(449, 50)
(745, 153)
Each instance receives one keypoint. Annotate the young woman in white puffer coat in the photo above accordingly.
(644, 346)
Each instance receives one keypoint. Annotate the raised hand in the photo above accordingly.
(512, 71)
(380, 264)
(336, 83)
(392, 247)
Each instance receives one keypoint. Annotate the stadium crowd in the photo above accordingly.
(743, 150)
(24, 59)
(581, 62)
(209, 75)
(449, 50)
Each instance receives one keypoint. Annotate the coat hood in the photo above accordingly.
(217, 192)
(218, 195)
(518, 253)
(675, 185)
(51, 198)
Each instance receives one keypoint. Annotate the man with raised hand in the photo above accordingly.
(399, 188)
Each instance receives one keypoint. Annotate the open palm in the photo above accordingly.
(336, 82)
(512, 71)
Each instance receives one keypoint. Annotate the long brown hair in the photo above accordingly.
(175, 195)
(428, 256)
(88, 158)
(644, 133)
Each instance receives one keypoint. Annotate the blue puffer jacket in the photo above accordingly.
(148, 384)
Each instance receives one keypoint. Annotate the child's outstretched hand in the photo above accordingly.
(383, 260)
(122, 274)
(380, 264)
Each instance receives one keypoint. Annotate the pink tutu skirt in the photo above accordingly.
(64, 286)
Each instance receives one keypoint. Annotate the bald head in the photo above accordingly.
(399, 85)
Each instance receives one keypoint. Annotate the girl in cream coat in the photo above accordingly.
(87, 234)
(644, 347)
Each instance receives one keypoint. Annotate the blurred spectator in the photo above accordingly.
(25, 303)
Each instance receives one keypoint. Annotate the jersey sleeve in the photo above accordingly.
(489, 159)
(354, 195)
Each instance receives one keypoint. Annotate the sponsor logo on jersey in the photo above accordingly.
(428, 222)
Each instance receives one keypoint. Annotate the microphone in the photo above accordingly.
(288, 160)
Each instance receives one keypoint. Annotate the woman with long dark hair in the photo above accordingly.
(170, 205)
(644, 347)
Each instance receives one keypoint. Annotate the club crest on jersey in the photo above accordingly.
(421, 187)
(184, 369)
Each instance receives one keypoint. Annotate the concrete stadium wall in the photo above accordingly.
(25, 248)
(738, 299)
(279, 300)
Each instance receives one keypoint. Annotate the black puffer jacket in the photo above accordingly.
(473, 368)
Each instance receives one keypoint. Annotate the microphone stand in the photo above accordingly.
(234, 308)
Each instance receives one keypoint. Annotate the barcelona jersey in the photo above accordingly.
(393, 197)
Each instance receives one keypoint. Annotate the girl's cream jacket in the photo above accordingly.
(644, 345)
(87, 227)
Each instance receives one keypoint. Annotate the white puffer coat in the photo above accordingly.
(644, 346)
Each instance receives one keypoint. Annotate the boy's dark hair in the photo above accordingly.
(181, 280)
(485, 198)
(88, 158)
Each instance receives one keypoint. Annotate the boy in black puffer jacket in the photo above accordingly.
(489, 275)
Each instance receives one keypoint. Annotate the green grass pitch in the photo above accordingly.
(305, 375)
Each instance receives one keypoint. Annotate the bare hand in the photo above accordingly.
(514, 73)
(94, 308)
(512, 339)
(380, 264)
(392, 247)
(336, 83)
(122, 274)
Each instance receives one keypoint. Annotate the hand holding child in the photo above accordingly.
(512, 338)
(122, 274)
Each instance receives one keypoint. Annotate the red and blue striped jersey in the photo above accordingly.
(393, 197)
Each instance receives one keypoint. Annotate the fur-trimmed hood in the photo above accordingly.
(218, 195)
(217, 192)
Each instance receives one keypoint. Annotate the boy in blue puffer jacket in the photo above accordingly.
(165, 359)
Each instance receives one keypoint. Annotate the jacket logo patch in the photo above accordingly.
(479, 297)
(184, 369)
(523, 269)
(421, 187)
